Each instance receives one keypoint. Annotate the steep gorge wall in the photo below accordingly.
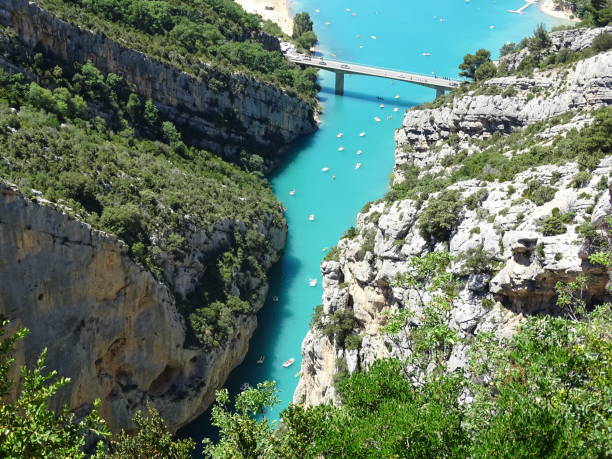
(241, 113)
(108, 324)
(503, 225)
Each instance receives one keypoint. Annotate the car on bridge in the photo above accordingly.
(322, 63)
(344, 66)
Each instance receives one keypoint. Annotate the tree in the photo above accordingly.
(485, 71)
(28, 428)
(471, 63)
(301, 24)
(242, 435)
(151, 441)
(307, 40)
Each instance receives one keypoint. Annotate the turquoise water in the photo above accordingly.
(404, 29)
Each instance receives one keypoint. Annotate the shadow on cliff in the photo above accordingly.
(262, 343)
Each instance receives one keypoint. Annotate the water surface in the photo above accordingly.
(404, 30)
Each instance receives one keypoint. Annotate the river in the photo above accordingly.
(392, 34)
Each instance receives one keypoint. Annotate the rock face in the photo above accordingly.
(240, 113)
(507, 263)
(108, 324)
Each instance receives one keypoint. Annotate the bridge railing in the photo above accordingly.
(315, 59)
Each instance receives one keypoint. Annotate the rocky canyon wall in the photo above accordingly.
(507, 261)
(240, 113)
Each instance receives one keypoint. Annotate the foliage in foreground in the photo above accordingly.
(545, 392)
(30, 429)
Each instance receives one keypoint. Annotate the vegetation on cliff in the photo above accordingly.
(29, 428)
(131, 175)
(542, 393)
(191, 35)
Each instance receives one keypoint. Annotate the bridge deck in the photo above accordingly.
(358, 69)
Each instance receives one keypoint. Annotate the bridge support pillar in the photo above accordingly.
(340, 83)
(439, 92)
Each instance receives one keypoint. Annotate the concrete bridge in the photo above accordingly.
(440, 84)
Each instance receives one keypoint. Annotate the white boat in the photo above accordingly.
(275, 299)
(397, 96)
(491, 27)
(340, 148)
(377, 119)
(340, 134)
(328, 23)
(359, 152)
(373, 37)
(292, 193)
(361, 134)
(396, 109)
(261, 359)
(289, 362)
(357, 166)
(426, 54)
(312, 282)
(348, 10)
(311, 217)
(382, 105)
(325, 169)
(317, 10)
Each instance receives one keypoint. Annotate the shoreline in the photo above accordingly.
(281, 13)
(548, 7)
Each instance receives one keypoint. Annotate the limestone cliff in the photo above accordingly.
(515, 229)
(222, 112)
(108, 324)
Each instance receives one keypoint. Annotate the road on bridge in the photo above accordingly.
(438, 83)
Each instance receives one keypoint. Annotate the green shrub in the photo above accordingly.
(581, 179)
(555, 223)
(333, 254)
(539, 193)
(441, 216)
(602, 42)
(475, 199)
(476, 260)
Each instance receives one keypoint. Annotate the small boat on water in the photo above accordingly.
(426, 54)
(340, 134)
(289, 362)
(382, 105)
(396, 109)
(340, 148)
(357, 166)
(359, 152)
(317, 10)
(397, 96)
(333, 177)
(361, 134)
(275, 298)
(377, 119)
(311, 217)
(312, 282)
(373, 37)
(244, 387)
(325, 169)
(292, 192)
(261, 359)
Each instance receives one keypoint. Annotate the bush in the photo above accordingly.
(441, 216)
(539, 193)
(581, 179)
(602, 42)
(555, 223)
(476, 261)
